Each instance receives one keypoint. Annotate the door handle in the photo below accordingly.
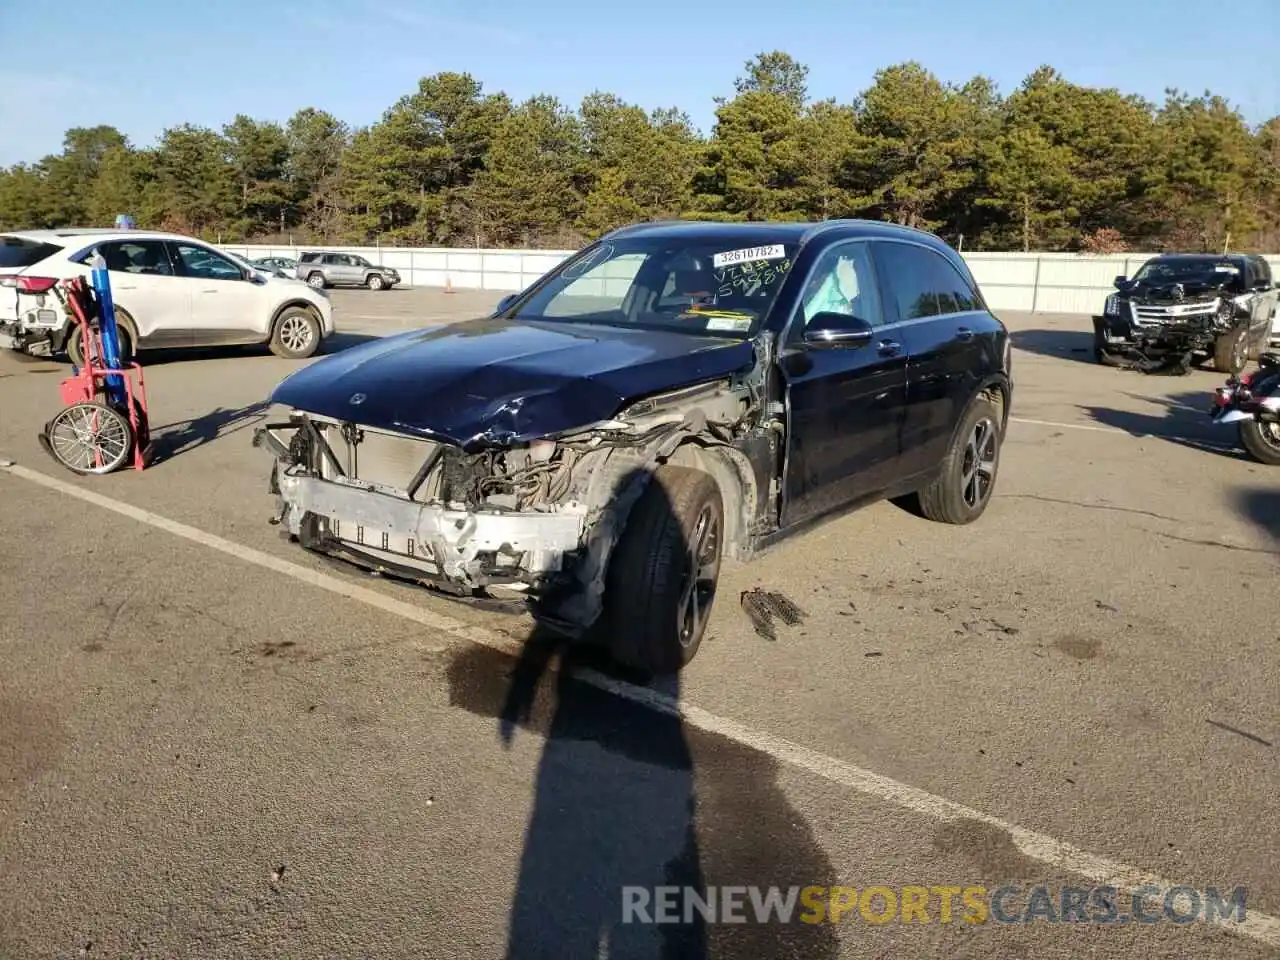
(209, 291)
(890, 347)
(964, 333)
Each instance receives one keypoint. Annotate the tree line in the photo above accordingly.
(1050, 166)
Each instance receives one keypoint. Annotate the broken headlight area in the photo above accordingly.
(427, 510)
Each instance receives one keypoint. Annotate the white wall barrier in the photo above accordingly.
(1039, 282)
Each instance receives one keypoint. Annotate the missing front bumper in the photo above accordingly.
(459, 549)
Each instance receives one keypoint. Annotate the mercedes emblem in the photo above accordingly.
(357, 398)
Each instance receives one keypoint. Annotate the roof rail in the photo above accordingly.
(633, 227)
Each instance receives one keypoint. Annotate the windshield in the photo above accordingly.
(1208, 271)
(696, 285)
(356, 261)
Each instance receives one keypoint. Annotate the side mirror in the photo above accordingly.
(1261, 286)
(827, 331)
(505, 302)
(1120, 282)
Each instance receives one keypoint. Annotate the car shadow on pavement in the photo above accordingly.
(1185, 421)
(1070, 344)
(173, 439)
(1262, 506)
(628, 795)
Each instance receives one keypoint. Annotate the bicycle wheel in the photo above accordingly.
(90, 438)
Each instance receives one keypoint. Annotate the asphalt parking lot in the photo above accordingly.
(214, 745)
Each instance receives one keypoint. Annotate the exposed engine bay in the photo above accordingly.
(534, 522)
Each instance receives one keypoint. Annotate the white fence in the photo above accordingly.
(1041, 282)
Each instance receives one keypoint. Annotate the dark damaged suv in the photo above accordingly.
(1184, 309)
(674, 395)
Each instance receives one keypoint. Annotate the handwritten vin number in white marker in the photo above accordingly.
(775, 251)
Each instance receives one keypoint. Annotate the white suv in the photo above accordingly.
(169, 291)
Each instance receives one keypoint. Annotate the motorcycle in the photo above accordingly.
(1252, 400)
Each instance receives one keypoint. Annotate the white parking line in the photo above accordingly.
(1038, 846)
(1069, 426)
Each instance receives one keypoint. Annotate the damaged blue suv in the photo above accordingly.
(674, 395)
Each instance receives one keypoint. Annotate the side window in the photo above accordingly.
(955, 294)
(1261, 271)
(204, 264)
(843, 281)
(137, 256)
(332, 260)
(910, 272)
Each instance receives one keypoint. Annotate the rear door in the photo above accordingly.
(945, 329)
(145, 285)
(342, 270)
(844, 404)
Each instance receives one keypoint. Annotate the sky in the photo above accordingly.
(159, 64)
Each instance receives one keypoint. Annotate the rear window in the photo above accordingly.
(310, 257)
(19, 252)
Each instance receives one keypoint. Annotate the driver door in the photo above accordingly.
(846, 401)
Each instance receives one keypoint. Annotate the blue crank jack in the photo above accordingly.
(108, 331)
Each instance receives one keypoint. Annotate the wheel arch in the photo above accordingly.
(999, 391)
(732, 473)
(289, 305)
(123, 318)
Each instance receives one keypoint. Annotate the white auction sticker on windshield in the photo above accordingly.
(1226, 268)
(774, 251)
(738, 324)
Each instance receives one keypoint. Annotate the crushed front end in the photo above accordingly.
(532, 523)
(1165, 328)
(424, 510)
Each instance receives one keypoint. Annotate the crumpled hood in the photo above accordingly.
(493, 382)
(1184, 292)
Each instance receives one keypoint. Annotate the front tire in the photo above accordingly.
(1101, 352)
(959, 494)
(296, 335)
(662, 578)
(1231, 352)
(375, 282)
(1262, 440)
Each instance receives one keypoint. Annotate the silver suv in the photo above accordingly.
(322, 270)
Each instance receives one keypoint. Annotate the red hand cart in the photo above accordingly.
(104, 423)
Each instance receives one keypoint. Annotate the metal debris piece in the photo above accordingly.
(764, 606)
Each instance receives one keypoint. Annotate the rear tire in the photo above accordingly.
(315, 280)
(959, 494)
(1231, 352)
(296, 335)
(75, 349)
(662, 577)
(1262, 440)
